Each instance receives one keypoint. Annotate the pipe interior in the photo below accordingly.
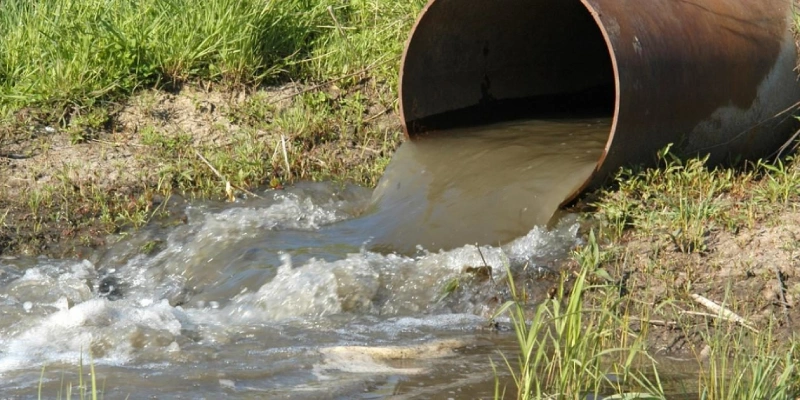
(472, 62)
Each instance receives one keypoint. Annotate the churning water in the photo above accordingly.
(317, 291)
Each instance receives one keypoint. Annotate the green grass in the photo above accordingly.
(568, 349)
(583, 342)
(69, 55)
(686, 200)
(362, 34)
(744, 366)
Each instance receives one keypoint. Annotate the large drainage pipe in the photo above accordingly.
(710, 76)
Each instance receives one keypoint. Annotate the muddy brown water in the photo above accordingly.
(437, 190)
(318, 291)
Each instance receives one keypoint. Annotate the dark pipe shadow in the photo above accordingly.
(596, 101)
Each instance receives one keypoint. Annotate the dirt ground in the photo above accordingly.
(55, 174)
(39, 156)
(749, 278)
(116, 156)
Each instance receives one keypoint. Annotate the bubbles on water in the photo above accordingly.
(306, 291)
(50, 281)
(237, 281)
(114, 332)
(391, 284)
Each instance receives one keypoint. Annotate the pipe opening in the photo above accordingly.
(531, 101)
(481, 61)
(521, 96)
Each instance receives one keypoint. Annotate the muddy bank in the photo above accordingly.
(732, 267)
(69, 183)
(754, 273)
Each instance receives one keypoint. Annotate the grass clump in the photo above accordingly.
(686, 201)
(86, 388)
(76, 52)
(568, 350)
(589, 341)
(362, 34)
(68, 55)
(743, 366)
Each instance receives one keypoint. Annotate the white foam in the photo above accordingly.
(306, 291)
(53, 313)
(50, 282)
(289, 211)
(109, 330)
(389, 284)
(196, 252)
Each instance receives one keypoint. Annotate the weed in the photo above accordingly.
(150, 247)
(568, 350)
(685, 201)
(256, 111)
(84, 390)
(780, 182)
(87, 126)
(743, 366)
(582, 342)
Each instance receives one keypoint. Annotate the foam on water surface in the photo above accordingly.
(283, 295)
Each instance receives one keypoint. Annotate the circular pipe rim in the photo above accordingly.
(615, 68)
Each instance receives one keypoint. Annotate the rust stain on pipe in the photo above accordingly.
(711, 76)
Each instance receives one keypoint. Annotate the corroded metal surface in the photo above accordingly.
(710, 76)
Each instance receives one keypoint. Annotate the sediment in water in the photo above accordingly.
(487, 184)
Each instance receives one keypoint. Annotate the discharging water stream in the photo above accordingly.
(317, 291)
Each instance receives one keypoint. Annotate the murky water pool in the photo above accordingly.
(318, 291)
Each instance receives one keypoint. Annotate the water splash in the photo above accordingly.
(269, 284)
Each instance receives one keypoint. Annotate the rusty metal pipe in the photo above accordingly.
(710, 76)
